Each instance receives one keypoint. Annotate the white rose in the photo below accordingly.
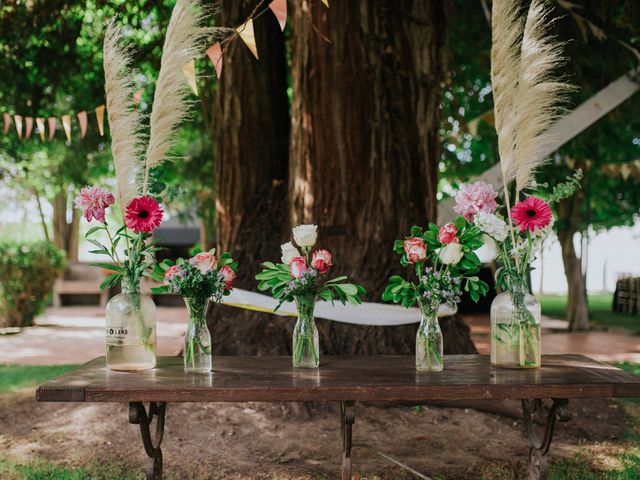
(289, 252)
(451, 254)
(305, 235)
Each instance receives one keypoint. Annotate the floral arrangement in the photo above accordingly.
(445, 264)
(141, 216)
(199, 280)
(203, 276)
(303, 277)
(303, 273)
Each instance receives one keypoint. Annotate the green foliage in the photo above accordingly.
(567, 188)
(14, 377)
(27, 273)
(284, 287)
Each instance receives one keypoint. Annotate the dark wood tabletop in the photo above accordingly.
(385, 378)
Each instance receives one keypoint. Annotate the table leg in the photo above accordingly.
(139, 416)
(347, 417)
(539, 450)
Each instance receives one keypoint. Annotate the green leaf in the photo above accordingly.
(108, 266)
(93, 230)
(110, 281)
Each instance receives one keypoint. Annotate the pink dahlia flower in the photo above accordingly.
(531, 214)
(322, 260)
(228, 276)
(94, 201)
(475, 197)
(416, 249)
(448, 234)
(143, 214)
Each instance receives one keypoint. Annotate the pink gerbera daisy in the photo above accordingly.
(143, 214)
(531, 214)
(94, 201)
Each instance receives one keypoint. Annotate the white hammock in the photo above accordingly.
(380, 314)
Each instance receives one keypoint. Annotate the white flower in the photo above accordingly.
(492, 225)
(289, 252)
(305, 235)
(542, 233)
(451, 254)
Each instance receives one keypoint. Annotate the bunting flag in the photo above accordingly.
(245, 31)
(18, 121)
(189, 71)
(40, 125)
(326, 3)
(7, 123)
(66, 124)
(52, 127)
(82, 120)
(29, 124)
(215, 55)
(137, 97)
(279, 9)
(100, 119)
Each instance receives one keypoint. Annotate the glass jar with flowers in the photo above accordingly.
(302, 277)
(130, 315)
(444, 261)
(202, 279)
(516, 340)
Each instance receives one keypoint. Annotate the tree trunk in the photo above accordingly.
(568, 226)
(65, 234)
(251, 142)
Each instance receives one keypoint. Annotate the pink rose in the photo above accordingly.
(228, 275)
(448, 234)
(322, 260)
(170, 273)
(204, 261)
(475, 197)
(416, 249)
(298, 267)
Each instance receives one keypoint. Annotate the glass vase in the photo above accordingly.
(515, 328)
(197, 339)
(306, 346)
(429, 343)
(131, 330)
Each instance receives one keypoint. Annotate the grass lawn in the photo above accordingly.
(600, 311)
(14, 377)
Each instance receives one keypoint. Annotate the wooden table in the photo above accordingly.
(346, 380)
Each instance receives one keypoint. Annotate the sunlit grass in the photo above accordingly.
(14, 377)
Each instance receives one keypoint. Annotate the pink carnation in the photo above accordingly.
(94, 201)
(228, 275)
(322, 260)
(475, 197)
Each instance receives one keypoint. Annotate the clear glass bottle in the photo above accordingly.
(197, 339)
(306, 345)
(515, 328)
(429, 342)
(131, 330)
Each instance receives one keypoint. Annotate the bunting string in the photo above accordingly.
(24, 124)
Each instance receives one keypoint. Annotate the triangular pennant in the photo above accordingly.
(189, 71)
(100, 119)
(7, 123)
(279, 9)
(82, 120)
(326, 3)
(66, 124)
(52, 127)
(17, 119)
(40, 125)
(248, 36)
(137, 97)
(29, 124)
(215, 55)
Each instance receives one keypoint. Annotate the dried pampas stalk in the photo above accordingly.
(185, 40)
(540, 94)
(125, 122)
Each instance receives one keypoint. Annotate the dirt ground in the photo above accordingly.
(294, 441)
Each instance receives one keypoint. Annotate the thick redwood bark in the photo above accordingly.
(251, 143)
(568, 226)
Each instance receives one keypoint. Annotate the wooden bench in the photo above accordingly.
(347, 380)
(80, 279)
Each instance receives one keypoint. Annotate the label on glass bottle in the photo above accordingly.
(119, 336)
